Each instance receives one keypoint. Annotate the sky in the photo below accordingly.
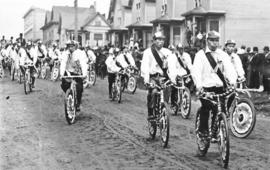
(12, 12)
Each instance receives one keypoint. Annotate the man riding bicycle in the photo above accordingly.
(112, 68)
(28, 56)
(212, 69)
(178, 68)
(74, 62)
(154, 66)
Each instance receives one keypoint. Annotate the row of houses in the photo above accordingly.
(245, 21)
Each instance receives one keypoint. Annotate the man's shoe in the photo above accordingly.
(203, 143)
(110, 96)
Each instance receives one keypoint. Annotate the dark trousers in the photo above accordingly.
(174, 96)
(111, 79)
(206, 106)
(32, 69)
(79, 87)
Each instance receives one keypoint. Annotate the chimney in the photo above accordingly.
(93, 8)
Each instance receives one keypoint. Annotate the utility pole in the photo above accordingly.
(76, 20)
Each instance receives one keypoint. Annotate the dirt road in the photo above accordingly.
(107, 135)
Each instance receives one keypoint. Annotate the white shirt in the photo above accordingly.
(130, 59)
(91, 55)
(149, 64)
(174, 68)
(23, 57)
(111, 64)
(75, 62)
(205, 76)
(121, 60)
(186, 59)
(237, 63)
(44, 51)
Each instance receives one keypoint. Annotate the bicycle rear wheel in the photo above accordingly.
(223, 140)
(70, 108)
(164, 125)
(186, 103)
(243, 118)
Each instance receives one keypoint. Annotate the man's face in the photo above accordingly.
(213, 43)
(230, 48)
(159, 42)
(71, 48)
(181, 50)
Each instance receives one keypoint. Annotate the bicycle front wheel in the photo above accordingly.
(186, 103)
(70, 108)
(119, 90)
(132, 84)
(223, 140)
(243, 118)
(27, 83)
(164, 126)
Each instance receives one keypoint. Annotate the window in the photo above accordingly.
(98, 37)
(119, 20)
(198, 3)
(138, 5)
(164, 7)
(176, 35)
(97, 23)
(214, 25)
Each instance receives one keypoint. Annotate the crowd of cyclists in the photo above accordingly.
(211, 69)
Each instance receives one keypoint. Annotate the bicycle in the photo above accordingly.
(242, 112)
(91, 76)
(223, 139)
(70, 100)
(55, 70)
(130, 82)
(117, 87)
(183, 98)
(160, 119)
(28, 78)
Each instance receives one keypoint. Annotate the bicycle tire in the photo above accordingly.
(92, 78)
(119, 90)
(26, 83)
(164, 126)
(186, 103)
(223, 139)
(236, 119)
(197, 123)
(132, 84)
(69, 104)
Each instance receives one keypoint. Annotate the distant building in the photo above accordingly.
(120, 16)
(59, 26)
(33, 21)
(143, 11)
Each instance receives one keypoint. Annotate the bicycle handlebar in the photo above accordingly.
(212, 96)
(71, 77)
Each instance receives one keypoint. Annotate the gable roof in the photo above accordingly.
(90, 19)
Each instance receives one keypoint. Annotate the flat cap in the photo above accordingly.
(213, 34)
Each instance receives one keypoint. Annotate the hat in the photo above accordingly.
(212, 34)
(158, 34)
(171, 47)
(230, 42)
(70, 42)
(179, 46)
(111, 51)
(116, 50)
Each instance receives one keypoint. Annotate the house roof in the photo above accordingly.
(140, 25)
(64, 15)
(201, 11)
(92, 18)
(167, 19)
